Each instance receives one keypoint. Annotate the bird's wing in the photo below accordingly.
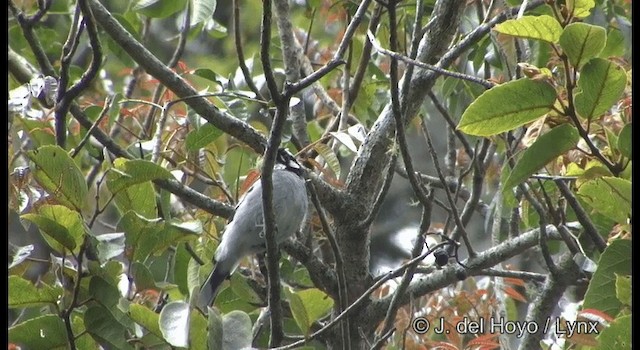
(290, 209)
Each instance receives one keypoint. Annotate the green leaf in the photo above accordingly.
(581, 42)
(297, 310)
(62, 227)
(208, 74)
(236, 330)
(617, 336)
(59, 175)
(174, 323)
(307, 306)
(53, 233)
(215, 29)
(601, 293)
(327, 154)
(202, 136)
(128, 172)
(580, 8)
(108, 296)
(146, 318)
(60, 6)
(545, 28)
(110, 272)
(84, 341)
(109, 245)
(610, 196)
(139, 231)
(214, 322)
(624, 141)
(243, 290)
(623, 289)
(181, 268)
(17, 255)
(140, 198)
(198, 331)
(42, 137)
(42, 332)
(615, 44)
(316, 302)
(101, 324)
(33, 124)
(147, 236)
(23, 293)
(202, 10)
(601, 84)
(507, 106)
(142, 276)
(345, 139)
(159, 8)
(545, 149)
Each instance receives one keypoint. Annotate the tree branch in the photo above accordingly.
(176, 83)
(376, 310)
(547, 300)
(582, 216)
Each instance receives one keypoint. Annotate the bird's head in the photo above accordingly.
(288, 160)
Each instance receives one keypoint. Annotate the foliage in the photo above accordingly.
(135, 128)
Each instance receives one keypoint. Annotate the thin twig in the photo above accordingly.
(523, 275)
(185, 193)
(487, 84)
(424, 197)
(589, 228)
(64, 103)
(342, 280)
(68, 50)
(108, 101)
(413, 53)
(365, 58)
(173, 61)
(363, 298)
(452, 203)
(240, 52)
(222, 120)
(27, 24)
(383, 338)
(452, 124)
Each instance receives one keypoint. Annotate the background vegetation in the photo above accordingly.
(468, 162)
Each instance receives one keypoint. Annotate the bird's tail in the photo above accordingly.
(209, 288)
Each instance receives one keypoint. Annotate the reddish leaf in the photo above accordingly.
(514, 281)
(514, 294)
(485, 341)
(252, 176)
(442, 345)
(595, 315)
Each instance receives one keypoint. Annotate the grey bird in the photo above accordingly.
(244, 234)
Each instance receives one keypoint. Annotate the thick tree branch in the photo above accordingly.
(174, 82)
(369, 167)
(547, 300)
(291, 54)
(442, 278)
(187, 194)
(173, 61)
